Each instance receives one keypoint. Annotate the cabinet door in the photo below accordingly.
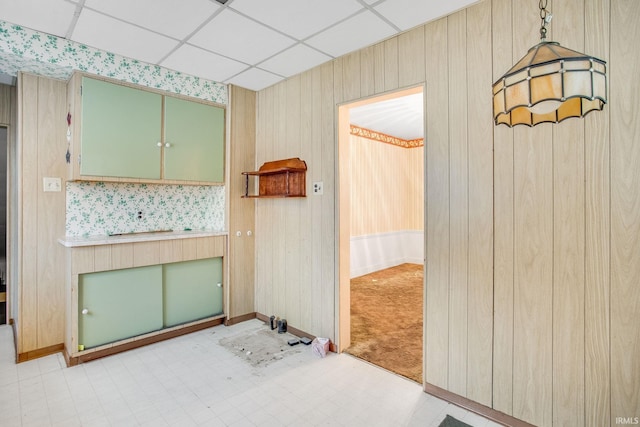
(119, 304)
(194, 141)
(121, 129)
(192, 290)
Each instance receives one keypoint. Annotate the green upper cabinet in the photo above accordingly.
(194, 141)
(141, 134)
(121, 129)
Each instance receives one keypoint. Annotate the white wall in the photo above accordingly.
(379, 251)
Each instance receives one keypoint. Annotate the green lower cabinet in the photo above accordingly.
(118, 304)
(192, 290)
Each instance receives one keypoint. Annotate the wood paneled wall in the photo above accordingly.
(7, 100)
(533, 234)
(41, 218)
(241, 158)
(8, 118)
(387, 191)
(625, 209)
(295, 238)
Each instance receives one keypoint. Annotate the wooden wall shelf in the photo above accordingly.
(280, 178)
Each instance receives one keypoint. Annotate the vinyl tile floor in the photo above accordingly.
(194, 381)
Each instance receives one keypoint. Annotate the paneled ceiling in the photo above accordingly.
(401, 117)
(249, 43)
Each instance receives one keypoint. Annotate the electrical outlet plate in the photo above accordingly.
(52, 184)
(318, 188)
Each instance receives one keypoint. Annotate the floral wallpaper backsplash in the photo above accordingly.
(98, 208)
(23, 49)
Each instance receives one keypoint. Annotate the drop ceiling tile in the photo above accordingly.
(235, 36)
(255, 79)
(298, 18)
(148, 30)
(410, 13)
(294, 60)
(342, 38)
(105, 33)
(198, 62)
(52, 17)
(175, 19)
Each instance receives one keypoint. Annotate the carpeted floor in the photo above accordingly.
(386, 319)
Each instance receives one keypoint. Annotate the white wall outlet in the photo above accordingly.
(317, 188)
(52, 184)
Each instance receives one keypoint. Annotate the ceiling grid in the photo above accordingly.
(250, 43)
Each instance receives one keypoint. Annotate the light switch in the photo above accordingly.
(52, 184)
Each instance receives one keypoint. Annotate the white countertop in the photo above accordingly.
(71, 242)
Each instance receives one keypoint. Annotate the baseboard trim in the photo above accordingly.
(130, 345)
(40, 352)
(291, 329)
(475, 407)
(295, 331)
(240, 319)
(265, 319)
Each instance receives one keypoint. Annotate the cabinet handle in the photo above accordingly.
(219, 285)
(159, 144)
(167, 145)
(85, 311)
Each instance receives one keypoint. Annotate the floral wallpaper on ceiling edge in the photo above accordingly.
(99, 208)
(22, 49)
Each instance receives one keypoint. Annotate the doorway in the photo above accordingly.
(381, 228)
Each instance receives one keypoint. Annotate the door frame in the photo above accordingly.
(343, 209)
(7, 293)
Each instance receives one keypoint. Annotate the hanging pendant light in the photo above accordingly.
(549, 84)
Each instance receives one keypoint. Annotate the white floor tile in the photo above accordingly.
(194, 381)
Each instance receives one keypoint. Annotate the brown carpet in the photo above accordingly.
(386, 319)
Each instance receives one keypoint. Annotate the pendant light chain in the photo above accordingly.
(545, 18)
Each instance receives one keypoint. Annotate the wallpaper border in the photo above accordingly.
(387, 139)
